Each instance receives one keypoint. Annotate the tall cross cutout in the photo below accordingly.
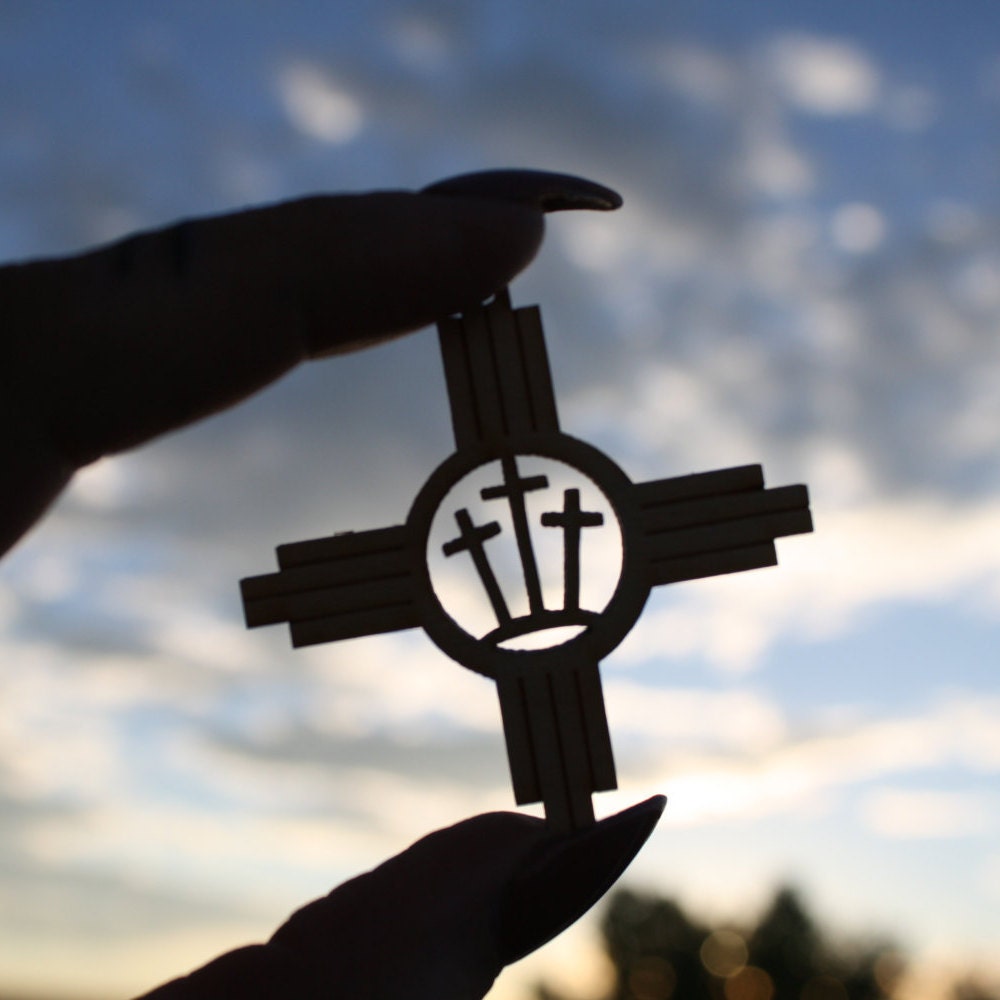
(514, 489)
(503, 412)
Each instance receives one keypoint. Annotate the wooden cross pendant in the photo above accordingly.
(477, 530)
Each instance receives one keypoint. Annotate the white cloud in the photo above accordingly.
(858, 227)
(696, 71)
(802, 775)
(419, 42)
(860, 556)
(739, 721)
(400, 683)
(127, 963)
(991, 872)
(911, 108)
(318, 105)
(773, 167)
(102, 485)
(823, 76)
(204, 639)
(52, 576)
(978, 282)
(907, 813)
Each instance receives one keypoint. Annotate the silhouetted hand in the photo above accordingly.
(101, 352)
(437, 922)
(104, 351)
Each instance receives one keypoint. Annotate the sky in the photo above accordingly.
(805, 274)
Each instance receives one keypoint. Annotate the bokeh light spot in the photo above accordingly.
(888, 970)
(724, 953)
(749, 983)
(652, 978)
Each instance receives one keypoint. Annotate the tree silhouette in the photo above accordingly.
(787, 946)
(972, 988)
(659, 953)
(654, 948)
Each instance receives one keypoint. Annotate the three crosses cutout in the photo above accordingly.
(503, 410)
(571, 519)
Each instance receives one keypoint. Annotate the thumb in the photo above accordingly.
(440, 920)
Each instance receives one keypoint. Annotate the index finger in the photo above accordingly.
(111, 348)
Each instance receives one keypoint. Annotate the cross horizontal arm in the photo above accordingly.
(713, 523)
(340, 587)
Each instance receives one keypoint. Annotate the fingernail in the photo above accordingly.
(548, 192)
(565, 876)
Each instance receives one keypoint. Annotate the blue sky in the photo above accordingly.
(806, 274)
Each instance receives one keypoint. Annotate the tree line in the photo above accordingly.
(659, 952)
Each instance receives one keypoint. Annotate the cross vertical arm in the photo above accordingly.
(558, 744)
(497, 372)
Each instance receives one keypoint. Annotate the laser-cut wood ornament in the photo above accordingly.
(504, 417)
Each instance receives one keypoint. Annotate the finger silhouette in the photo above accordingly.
(437, 922)
(110, 348)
